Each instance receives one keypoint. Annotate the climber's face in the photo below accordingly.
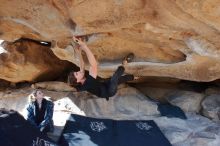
(79, 76)
(39, 95)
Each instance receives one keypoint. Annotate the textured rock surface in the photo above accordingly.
(127, 104)
(170, 38)
(29, 61)
(211, 107)
(212, 90)
(187, 100)
(54, 86)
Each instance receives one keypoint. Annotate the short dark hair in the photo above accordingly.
(71, 80)
(35, 92)
(32, 96)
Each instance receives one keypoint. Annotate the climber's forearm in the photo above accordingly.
(90, 56)
(82, 63)
(93, 70)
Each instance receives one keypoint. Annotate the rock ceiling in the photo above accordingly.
(170, 38)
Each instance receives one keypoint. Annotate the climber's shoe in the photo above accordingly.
(128, 58)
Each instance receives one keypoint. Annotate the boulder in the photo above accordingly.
(195, 131)
(30, 61)
(54, 86)
(211, 107)
(127, 104)
(212, 90)
(188, 101)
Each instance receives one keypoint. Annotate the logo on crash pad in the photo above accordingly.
(143, 126)
(97, 126)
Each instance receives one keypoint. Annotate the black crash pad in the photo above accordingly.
(86, 131)
(16, 131)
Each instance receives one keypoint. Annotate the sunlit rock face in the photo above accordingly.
(170, 38)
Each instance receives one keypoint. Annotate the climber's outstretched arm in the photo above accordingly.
(93, 70)
(82, 63)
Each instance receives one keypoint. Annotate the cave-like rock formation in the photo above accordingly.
(170, 38)
(26, 60)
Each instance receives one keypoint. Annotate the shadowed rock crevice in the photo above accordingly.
(27, 59)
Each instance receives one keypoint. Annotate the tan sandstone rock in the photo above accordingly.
(54, 86)
(170, 38)
(29, 61)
